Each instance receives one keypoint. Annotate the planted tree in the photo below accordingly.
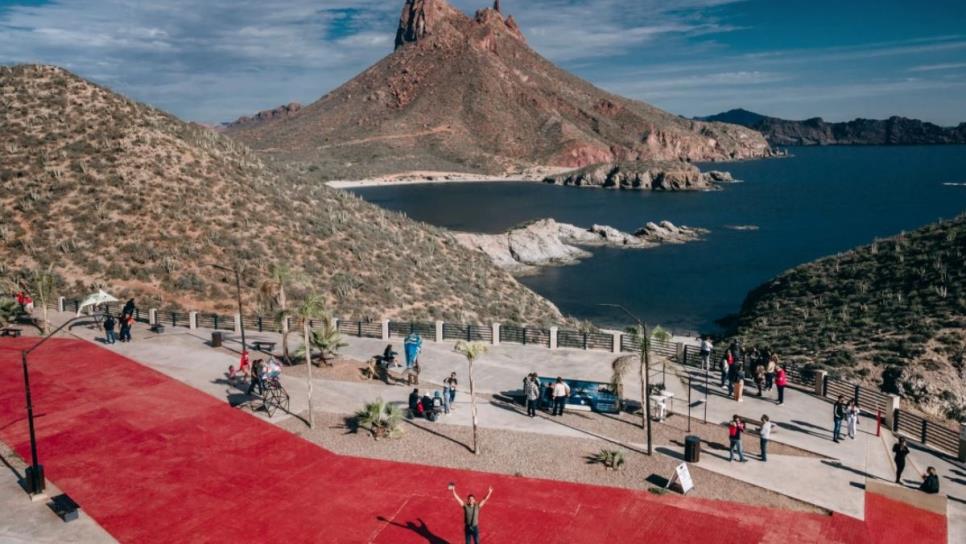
(381, 419)
(619, 367)
(273, 292)
(472, 351)
(643, 340)
(328, 340)
(312, 307)
(609, 459)
(42, 290)
(9, 310)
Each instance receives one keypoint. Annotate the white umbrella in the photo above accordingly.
(98, 298)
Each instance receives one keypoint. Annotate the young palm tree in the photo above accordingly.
(643, 339)
(42, 289)
(381, 418)
(472, 351)
(273, 290)
(313, 307)
(328, 340)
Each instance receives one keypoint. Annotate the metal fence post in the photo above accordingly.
(585, 341)
(259, 318)
(857, 395)
(689, 403)
(524, 335)
(359, 327)
(895, 420)
(925, 428)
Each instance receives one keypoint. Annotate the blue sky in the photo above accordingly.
(214, 60)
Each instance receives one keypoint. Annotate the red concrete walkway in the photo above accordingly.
(154, 460)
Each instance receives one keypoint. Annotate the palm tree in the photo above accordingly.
(273, 291)
(42, 289)
(381, 418)
(472, 351)
(311, 308)
(328, 340)
(620, 366)
(643, 339)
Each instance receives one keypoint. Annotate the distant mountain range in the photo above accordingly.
(892, 131)
(467, 94)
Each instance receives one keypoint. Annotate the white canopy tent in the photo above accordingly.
(96, 299)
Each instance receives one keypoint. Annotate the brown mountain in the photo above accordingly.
(468, 94)
(114, 193)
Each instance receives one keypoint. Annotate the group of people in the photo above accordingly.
(555, 394)
(930, 480)
(441, 402)
(844, 412)
(260, 371)
(737, 365)
(125, 321)
(736, 428)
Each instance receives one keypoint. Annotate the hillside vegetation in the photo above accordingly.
(119, 194)
(891, 314)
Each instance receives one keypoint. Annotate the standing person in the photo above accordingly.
(531, 389)
(851, 418)
(930, 482)
(760, 378)
(412, 345)
(126, 322)
(732, 369)
(445, 397)
(706, 348)
(838, 414)
(22, 301)
(560, 393)
(452, 382)
(725, 369)
(735, 349)
(258, 376)
(109, 324)
(764, 434)
(739, 368)
(781, 380)
(899, 452)
(128, 308)
(471, 514)
(770, 368)
(735, 428)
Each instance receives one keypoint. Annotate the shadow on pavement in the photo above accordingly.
(419, 527)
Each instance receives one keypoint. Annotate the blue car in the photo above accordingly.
(597, 396)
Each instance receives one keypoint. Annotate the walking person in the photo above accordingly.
(725, 369)
(109, 324)
(764, 435)
(471, 514)
(760, 378)
(706, 348)
(781, 380)
(561, 391)
(899, 452)
(838, 415)
(452, 382)
(851, 418)
(258, 377)
(739, 380)
(735, 428)
(732, 368)
(531, 390)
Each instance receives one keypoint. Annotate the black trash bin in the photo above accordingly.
(217, 337)
(692, 448)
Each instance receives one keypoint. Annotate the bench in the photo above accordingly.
(261, 345)
(10, 331)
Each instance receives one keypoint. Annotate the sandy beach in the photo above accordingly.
(411, 178)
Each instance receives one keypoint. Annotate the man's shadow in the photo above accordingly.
(419, 527)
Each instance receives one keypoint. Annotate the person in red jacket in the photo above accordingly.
(735, 428)
(781, 380)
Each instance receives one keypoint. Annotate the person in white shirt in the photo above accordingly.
(764, 433)
(560, 393)
(706, 348)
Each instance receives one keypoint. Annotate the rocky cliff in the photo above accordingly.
(815, 131)
(548, 243)
(264, 116)
(643, 176)
(468, 94)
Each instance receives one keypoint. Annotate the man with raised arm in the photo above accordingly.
(471, 513)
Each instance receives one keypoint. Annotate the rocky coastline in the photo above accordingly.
(642, 176)
(523, 249)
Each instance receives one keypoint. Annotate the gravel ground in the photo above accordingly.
(539, 456)
(343, 370)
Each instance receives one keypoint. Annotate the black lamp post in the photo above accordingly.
(645, 375)
(241, 320)
(35, 472)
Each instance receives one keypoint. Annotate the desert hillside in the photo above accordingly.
(119, 194)
(467, 94)
(891, 314)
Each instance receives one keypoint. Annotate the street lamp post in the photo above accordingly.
(241, 320)
(36, 483)
(645, 372)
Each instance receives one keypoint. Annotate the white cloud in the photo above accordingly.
(937, 67)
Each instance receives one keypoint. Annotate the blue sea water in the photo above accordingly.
(817, 202)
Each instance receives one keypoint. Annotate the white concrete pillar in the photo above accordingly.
(192, 320)
(553, 337)
(615, 342)
(962, 442)
(335, 323)
(238, 323)
(60, 304)
(820, 382)
(496, 334)
(153, 316)
(385, 329)
(889, 410)
(439, 332)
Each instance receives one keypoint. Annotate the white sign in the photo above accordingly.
(683, 477)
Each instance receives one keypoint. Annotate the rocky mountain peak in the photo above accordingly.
(421, 19)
